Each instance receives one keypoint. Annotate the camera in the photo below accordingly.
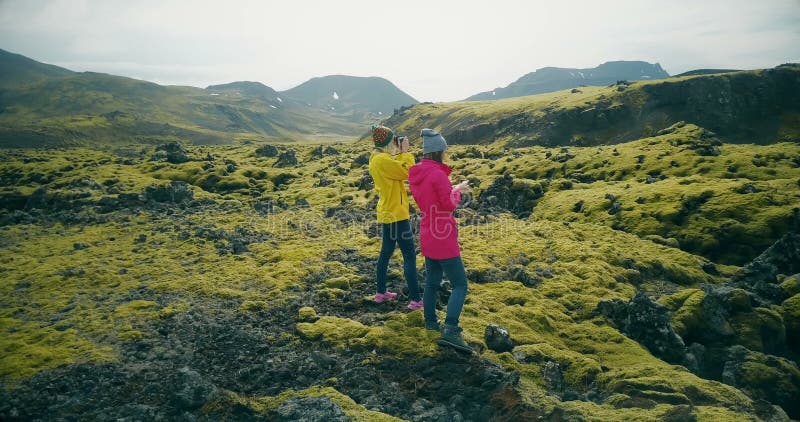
(399, 139)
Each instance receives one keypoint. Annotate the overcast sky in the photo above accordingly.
(435, 50)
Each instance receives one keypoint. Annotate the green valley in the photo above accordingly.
(186, 253)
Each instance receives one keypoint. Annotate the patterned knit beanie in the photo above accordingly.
(381, 136)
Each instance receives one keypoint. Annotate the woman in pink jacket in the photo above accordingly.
(437, 198)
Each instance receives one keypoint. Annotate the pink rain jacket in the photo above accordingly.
(430, 185)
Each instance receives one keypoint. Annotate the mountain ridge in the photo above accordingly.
(45, 105)
(747, 106)
(550, 79)
(346, 93)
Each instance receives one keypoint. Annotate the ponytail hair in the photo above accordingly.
(437, 156)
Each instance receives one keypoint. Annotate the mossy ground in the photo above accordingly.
(83, 288)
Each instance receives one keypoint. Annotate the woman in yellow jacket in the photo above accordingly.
(388, 166)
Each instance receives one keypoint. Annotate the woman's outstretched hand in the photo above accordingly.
(462, 187)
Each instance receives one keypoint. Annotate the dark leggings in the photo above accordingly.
(454, 269)
(399, 233)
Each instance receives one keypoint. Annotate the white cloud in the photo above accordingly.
(442, 50)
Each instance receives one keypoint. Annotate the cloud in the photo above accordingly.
(442, 50)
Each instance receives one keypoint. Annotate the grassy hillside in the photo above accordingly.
(236, 285)
(17, 70)
(754, 106)
(96, 108)
(57, 107)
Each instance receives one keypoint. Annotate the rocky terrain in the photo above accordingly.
(655, 279)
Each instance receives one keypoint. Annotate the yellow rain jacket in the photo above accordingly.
(390, 174)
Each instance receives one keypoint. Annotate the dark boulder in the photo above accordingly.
(269, 206)
(192, 390)
(176, 192)
(234, 242)
(38, 200)
(553, 378)
(361, 160)
(349, 213)
(267, 151)
(323, 181)
(280, 181)
(311, 409)
(365, 183)
(764, 376)
(498, 339)
(647, 322)
(760, 275)
(320, 152)
(615, 205)
(172, 152)
(517, 196)
(287, 158)
(513, 272)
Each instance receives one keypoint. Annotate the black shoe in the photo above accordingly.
(451, 337)
(433, 326)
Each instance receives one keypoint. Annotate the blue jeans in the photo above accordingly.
(454, 269)
(399, 233)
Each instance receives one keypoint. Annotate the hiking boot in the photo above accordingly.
(433, 326)
(451, 337)
(415, 305)
(383, 297)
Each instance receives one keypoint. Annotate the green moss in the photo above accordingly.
(306, 314)
(686, 307)
(739, 300)
(330, 293)
(338, 283)
(757, 328)
(131, 335)
(28, 348)
(767, 374)
(136, 308)
(401, 335)
(254, 306)
(173, 309)
(790, 311)
(338, 331)
(579, 370)
(265, 406)
(571, 259)
(791, 285)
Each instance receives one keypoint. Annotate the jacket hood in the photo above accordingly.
(418, 173)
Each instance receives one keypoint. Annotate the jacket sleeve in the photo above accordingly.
(447, 198)
(396, 168)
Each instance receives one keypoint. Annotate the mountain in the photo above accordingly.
(747, 106)
(549, 79)
(43, 105)
(253, 89)
(17, 70)
(351, 95)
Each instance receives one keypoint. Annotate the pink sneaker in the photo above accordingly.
(415, 305)
(382, 297)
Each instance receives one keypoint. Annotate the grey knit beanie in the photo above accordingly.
(432, 141)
